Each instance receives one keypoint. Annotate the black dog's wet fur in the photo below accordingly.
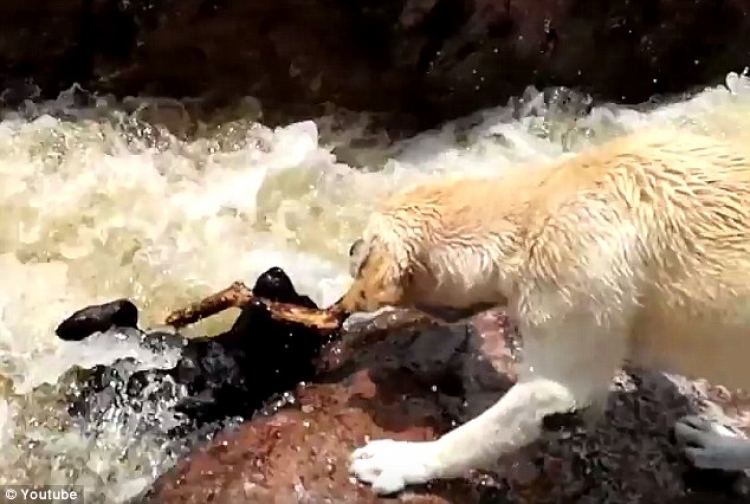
(227, 376)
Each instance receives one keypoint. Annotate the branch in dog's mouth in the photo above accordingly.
(325, 320)
(238, 295)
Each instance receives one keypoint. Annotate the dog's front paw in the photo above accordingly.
(390, 465)
(711, 446)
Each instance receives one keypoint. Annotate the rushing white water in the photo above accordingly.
(96, 205)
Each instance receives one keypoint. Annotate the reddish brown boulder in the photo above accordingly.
(414, 384)
(430, 59)
(299, 455)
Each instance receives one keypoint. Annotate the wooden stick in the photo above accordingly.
(238, 295)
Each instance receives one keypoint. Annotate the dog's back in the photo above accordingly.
(674, 208)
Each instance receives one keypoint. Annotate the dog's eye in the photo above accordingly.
(356, 256)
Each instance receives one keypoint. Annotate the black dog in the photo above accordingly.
(216, 380)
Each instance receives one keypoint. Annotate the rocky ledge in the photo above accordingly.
(404, 377)
(429, 59)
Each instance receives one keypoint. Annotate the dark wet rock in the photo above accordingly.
(415, 384)
(430, 60)
(98, 318)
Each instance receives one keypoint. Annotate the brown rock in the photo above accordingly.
(430, 60)
(300, 455)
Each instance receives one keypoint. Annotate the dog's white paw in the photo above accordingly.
(390, 465)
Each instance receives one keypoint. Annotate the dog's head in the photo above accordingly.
(378, 279)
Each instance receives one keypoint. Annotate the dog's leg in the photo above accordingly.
(710, 445)
(569, 362)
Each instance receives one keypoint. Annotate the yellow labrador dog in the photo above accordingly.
(636, 250)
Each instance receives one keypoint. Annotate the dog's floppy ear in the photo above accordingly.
(377, 280)
(358, 253)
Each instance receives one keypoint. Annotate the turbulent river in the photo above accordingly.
(95, 204)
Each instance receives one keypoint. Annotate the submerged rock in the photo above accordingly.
(431, 60)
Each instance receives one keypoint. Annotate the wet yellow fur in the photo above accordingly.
(636, 250)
